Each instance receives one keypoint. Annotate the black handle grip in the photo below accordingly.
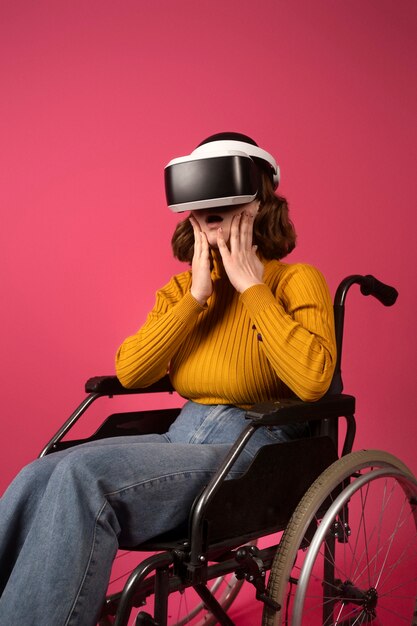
(371, 286)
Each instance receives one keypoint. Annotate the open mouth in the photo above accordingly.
(214, 219)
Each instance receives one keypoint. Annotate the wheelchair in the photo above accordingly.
(340, 529)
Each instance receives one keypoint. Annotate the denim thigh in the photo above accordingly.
(223, 423)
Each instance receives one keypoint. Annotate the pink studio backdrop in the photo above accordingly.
(97, 96)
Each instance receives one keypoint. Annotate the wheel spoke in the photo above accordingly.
(371, 568)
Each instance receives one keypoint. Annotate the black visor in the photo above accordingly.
(210, 182)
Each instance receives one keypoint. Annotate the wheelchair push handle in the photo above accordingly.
(371, 286)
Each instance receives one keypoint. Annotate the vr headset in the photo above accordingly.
(217, 174)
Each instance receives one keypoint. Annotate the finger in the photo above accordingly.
(221, 244)
(205, 248)
(246, 231)
(197, 235)
(194, 224)
(235, 233)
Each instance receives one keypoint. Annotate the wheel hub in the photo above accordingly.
(371, 600)
(366, 600)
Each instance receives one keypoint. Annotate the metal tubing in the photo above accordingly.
(350, 434)
(69, 423)
(213, 606)
(176, 583)
(328, 581)
(161, 596)
(210, 491)
(162, 560)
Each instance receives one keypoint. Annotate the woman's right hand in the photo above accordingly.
(201, 285)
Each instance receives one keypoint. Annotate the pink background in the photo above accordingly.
(98, 95)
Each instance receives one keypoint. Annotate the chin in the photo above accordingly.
(212, 239)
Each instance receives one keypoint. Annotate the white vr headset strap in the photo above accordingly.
(217, 148)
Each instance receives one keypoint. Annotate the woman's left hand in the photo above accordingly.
(241, 262)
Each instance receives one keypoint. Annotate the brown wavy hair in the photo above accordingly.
(273, 231)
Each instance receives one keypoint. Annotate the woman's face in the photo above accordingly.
(210, 220)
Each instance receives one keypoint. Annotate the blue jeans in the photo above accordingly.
(63, 517)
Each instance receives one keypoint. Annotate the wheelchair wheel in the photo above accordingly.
(361, 563)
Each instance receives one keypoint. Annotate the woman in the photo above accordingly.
(238, 328)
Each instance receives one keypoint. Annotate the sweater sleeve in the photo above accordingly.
(295, 327)
(144, 357)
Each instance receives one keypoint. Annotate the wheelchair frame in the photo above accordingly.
(215, 544)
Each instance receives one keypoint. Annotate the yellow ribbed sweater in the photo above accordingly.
(272, 341)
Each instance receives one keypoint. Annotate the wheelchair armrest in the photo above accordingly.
(288, 411)
(111, 386)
